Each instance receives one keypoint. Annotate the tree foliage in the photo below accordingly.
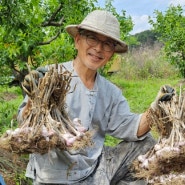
(32, 31)
(147, 38)
(171, 27)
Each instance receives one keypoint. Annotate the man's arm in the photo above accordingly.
(165, 93)
(145, 124)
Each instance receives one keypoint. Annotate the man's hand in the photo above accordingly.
(32, 79)
(165, 93)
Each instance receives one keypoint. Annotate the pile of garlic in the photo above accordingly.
(166, 159)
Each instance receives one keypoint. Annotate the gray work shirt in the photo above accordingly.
(103, 109)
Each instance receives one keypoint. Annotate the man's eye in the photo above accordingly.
(109, 43)
(91, 37)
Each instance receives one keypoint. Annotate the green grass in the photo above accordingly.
(10, 99)
(141, 93)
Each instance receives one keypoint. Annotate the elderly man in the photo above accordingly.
(100, 106)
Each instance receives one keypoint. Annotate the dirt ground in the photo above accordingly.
(12, 166)
(7, 96)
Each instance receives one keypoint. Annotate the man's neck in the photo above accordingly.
(86, 75)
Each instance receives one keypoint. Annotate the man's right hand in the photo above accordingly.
(32, 79)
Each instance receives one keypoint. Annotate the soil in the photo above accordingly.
(7, 96)
(12, 166)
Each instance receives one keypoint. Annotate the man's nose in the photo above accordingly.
(99, 46)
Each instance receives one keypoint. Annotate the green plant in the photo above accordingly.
(170, 27)
(10, 99)
(21, 179)
(145, 63)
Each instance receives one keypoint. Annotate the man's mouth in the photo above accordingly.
(96, 57)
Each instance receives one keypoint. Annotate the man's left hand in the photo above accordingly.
(165, 93)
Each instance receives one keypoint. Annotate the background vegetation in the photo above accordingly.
(33, 32)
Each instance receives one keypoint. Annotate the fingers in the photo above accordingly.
(42, 70)
(167, 92)
(35, 74)
(32, 79)
(167, 89)
(170, 89)
(29, 79)
(166, 97)
(26, 109)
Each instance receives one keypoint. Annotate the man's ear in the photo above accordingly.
(76, 40)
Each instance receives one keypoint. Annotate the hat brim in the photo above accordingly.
(121, 47)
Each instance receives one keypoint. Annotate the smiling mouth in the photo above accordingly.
(96, 57)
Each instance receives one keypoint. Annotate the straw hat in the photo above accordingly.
(101, 22)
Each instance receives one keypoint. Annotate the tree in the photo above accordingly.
(32, 31)
(28, 27)
(171, 29)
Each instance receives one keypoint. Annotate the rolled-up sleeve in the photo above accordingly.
(122, 123)
(20, 109)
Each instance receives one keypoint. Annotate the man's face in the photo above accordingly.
(94, 50)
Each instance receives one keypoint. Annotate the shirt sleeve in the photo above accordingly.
(20, 109)
(123, 123)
